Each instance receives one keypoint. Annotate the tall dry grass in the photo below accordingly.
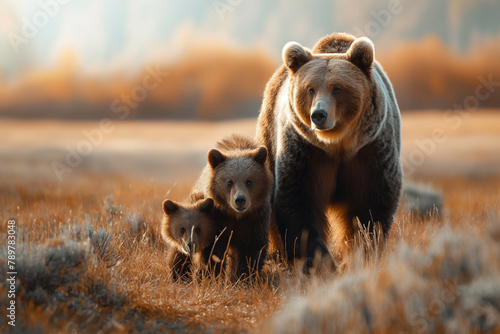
(90, 258)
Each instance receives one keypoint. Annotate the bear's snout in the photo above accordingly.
(323, 114)
(318, 117)
(240, 202)
(191, 247)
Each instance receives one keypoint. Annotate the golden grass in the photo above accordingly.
(90, 256)
(129, 285)
(117, 280)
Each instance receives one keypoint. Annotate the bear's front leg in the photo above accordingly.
(300, 204)
(177, 263)
(252, 258)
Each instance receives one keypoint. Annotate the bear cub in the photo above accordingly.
(189, 232)
(239, 180)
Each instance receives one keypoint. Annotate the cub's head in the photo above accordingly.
(329, 90)
(241, 180)
(189, 228)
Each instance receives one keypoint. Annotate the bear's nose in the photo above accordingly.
(240, 201)
(192, 246)
(318, 117)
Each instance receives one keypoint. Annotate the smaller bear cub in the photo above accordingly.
(189, 232)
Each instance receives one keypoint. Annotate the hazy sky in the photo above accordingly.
(121, 34)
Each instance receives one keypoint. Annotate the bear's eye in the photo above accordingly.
(182, 230)
(249, 183)
(337, 90)
(229, 184)
(198, 230)
(311, 91)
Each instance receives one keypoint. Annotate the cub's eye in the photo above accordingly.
(198, 230)
(336, 90)
(311, 91)
(249, 183)
(182, 230)
(229, 184)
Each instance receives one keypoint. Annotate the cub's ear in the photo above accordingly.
(207, 205)
(215, 157)
(362, 53)
(295, 55)
(169, 207)
(260, 155)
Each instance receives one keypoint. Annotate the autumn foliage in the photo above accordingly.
(218, 81)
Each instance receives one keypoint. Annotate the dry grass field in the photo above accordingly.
(89, 257)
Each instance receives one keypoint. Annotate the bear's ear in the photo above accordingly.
(362, 53)
(169, 207)
(207, 205)
(215, 157)
(295, 55)
(260, 155)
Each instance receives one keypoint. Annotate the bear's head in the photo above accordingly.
(240, 179)
(328, 91)
(188, 227)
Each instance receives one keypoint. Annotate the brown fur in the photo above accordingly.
(189, 231)
(238, 167)
(345, 162)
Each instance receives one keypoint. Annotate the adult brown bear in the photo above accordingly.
(331, 123)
